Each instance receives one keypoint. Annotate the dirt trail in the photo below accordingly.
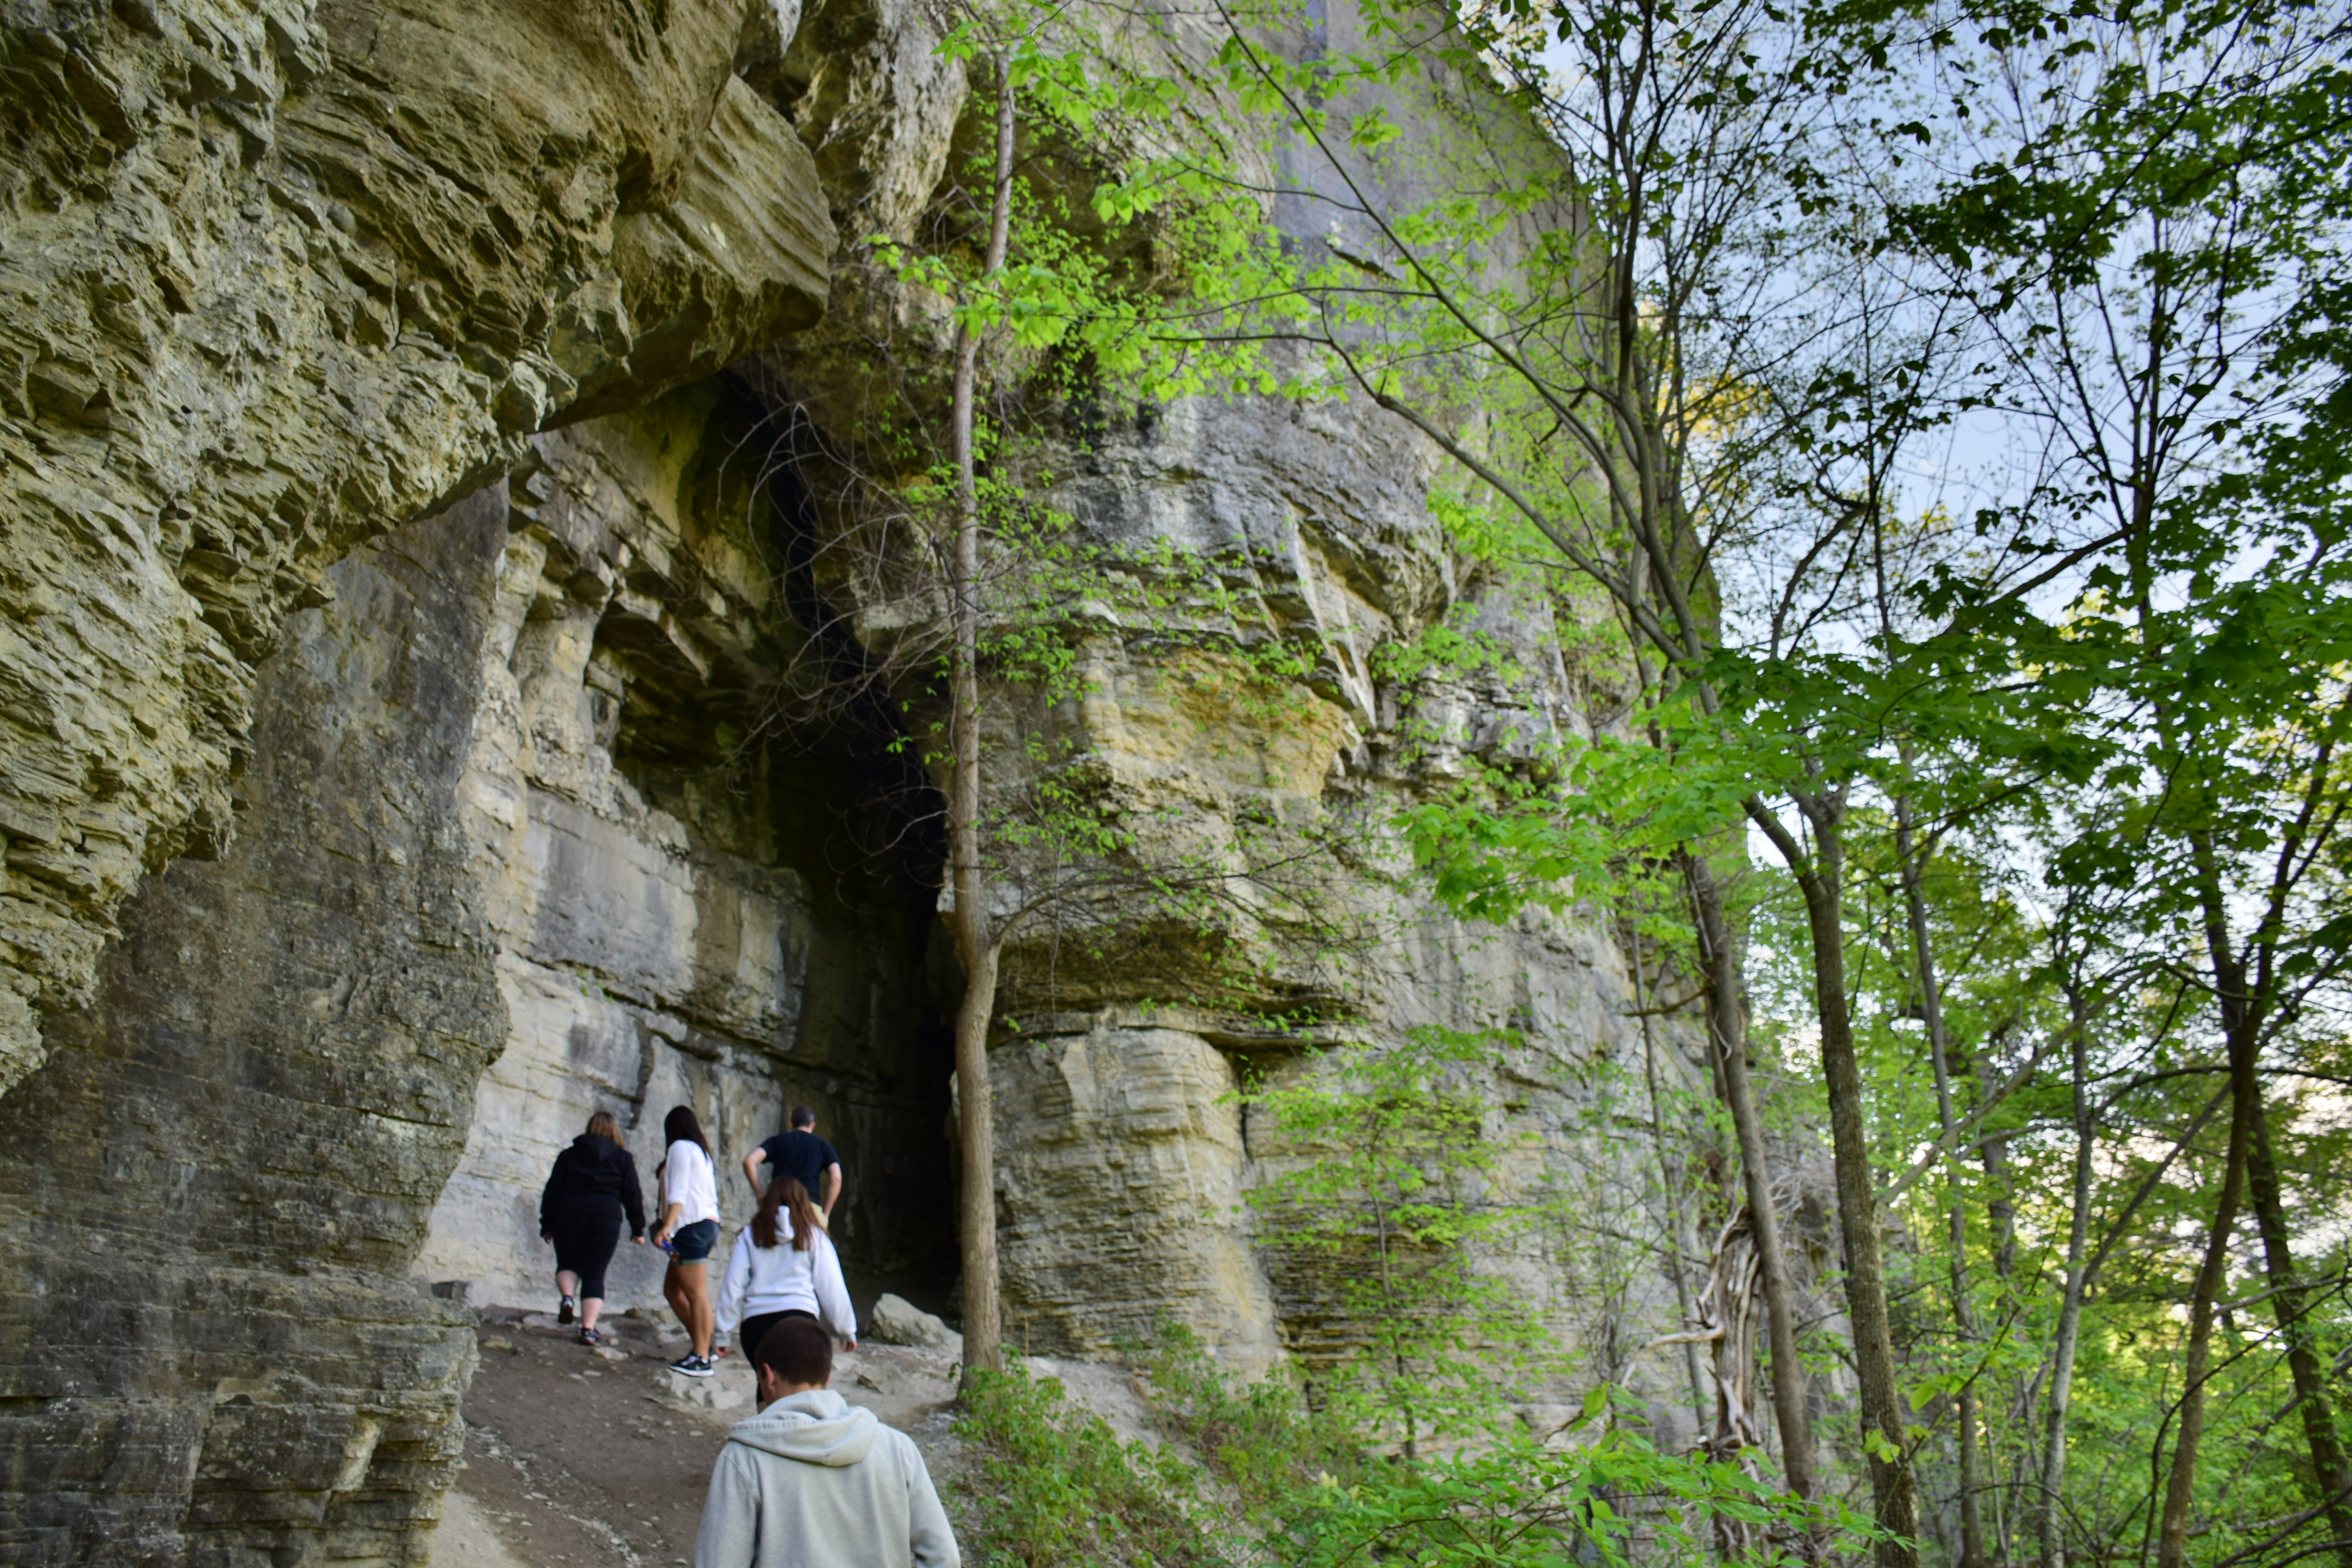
(600, 1458)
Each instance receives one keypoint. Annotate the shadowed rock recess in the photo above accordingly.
(393, 572)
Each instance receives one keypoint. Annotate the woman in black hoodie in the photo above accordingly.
(594, 1182)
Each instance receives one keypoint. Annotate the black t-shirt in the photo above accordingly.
(802, 1156)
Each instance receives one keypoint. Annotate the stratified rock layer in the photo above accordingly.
(688, 926)
(392, 581)
(280, 276)
(210, 1192)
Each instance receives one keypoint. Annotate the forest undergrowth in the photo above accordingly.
(1250, 1474)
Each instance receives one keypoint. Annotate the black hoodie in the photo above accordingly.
(594, 1176)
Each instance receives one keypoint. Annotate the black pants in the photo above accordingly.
(748, 1335)
(584, 1246)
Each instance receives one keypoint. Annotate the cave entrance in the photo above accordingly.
(833, 821)
(697, 895)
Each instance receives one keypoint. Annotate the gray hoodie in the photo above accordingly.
(813, 1482)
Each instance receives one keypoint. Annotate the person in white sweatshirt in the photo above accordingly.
(783, 1266)
(813, 1481)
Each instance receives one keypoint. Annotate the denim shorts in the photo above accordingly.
(692, 1243)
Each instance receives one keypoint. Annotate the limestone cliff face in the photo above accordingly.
(213, 1188)
(693, 925)
(277, 276)
(393, 579)
(280, 279)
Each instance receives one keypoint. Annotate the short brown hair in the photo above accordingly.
(605, 1124)
(800, 1352)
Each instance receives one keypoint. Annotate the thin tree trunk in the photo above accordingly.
(1675, 1255)
(1894, 1500)
(1727, 1021)
(2180, 1490)
(2241, 1029)
(2069, 1308)
(1931, 1007)
(975, 943)
(2001, 1213)
(2288, 1304)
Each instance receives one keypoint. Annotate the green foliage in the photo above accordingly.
(1384, 1170)
(1056, 1488)
(1280, 1482)
(1614, 1501)
(2113, 696)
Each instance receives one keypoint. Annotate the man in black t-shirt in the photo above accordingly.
(803, 1155)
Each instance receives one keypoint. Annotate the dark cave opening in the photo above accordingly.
(801, 775)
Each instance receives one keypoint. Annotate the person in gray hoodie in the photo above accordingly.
(813, 1481)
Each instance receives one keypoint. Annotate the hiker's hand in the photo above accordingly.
(848, 1346)
(639, 1239)
(544, 1236)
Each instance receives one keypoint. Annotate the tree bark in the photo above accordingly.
(1931, 1008)
(976, 945)
(2241, 1016)
(1894, 1500)
(1727, 1024)
(2069, 1308)
(1676, 1255)
(983, 1317)
(2289, 1306)
(2179, 1489)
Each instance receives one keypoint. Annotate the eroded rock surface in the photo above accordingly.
(277, 276)
(447, 830)
(691, 923)
(211, 1191)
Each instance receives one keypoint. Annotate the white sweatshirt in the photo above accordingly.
(813, 1481)
(689, 1181)
(779, 1279)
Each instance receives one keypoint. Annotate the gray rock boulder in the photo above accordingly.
(896, 1321)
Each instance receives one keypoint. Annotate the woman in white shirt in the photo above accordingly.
(689, 1232)
(785, 1267)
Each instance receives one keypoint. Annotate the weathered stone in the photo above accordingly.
(664, 931)
(501, 829)
(895, 1320)
(212, 1189)
(277, 277)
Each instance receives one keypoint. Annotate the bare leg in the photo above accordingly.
(589, 1310)
(567, 1283)
(695, 1311)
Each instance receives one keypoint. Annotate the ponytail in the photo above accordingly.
(784, 1193)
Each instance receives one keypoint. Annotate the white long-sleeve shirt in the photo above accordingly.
(689, 1181)
(781, 1279)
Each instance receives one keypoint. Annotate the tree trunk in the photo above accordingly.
(2069, 1308)
(1676, 1255)
(1931, 1008)
(2289, 1305)
(2180, 1490)
(984, 1317)
(1727, 1024)
(2241, 1017)
(1893, 1498)
(983, 1335)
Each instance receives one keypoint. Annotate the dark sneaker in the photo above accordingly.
(692, 1365)
(564, 1313)
(591, 1337)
